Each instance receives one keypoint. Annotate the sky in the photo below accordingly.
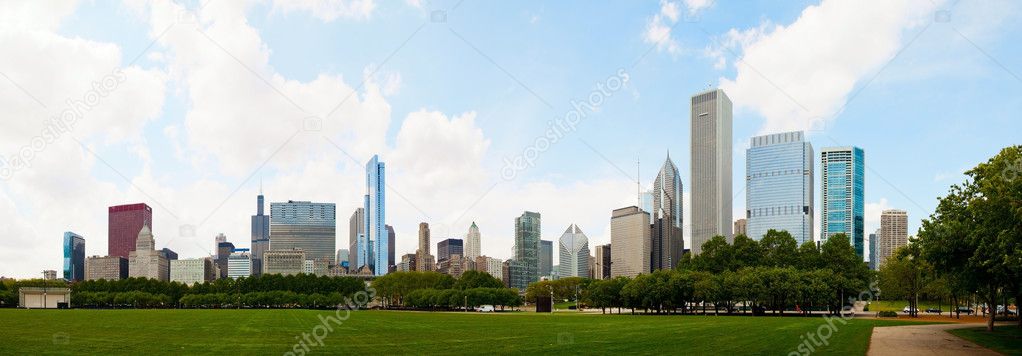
(481, 110)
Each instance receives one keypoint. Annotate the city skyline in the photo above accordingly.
(176, 135)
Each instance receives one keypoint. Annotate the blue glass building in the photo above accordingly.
(843, 171)
(779, 186)
(74, 257)
(374, 243)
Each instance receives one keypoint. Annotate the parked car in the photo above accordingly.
(966, 310)
(907, 310)
(1000, 310)
(485, 309)
(934, 311)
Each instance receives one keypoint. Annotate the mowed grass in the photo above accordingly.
(1004, 339)
(396, 332)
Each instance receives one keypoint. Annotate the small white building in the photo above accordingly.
(43, 297)
(239, 264)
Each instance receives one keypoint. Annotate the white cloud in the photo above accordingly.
(799, 75)
(873, 211)
(695, 6)
(658, 28)
(329, 10)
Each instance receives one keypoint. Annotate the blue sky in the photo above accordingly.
(216, 103)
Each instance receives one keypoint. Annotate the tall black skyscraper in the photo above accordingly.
(260, 234)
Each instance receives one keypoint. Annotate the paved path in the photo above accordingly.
(912, 340)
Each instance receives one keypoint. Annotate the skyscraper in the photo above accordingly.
(110, 268)
(893, 233)
(355, 250)
(711, 167)
(390, 247)
(123, 224)
(779, 186)
(603, 259)
(842, 182)
(472, 242)
(546, 258)
(667, 193)
(630, 242)
(375, 215)
(873, 263)
(423, 258)
(666, 244)
(224, 249)
(192, 270)
(449, 247)
(304, 225)
(74, 257)
(526, 250)
(260, 235)
(239, 264)
(574, 253)
(145, 261)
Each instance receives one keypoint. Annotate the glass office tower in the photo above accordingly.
(307, 226)
(376, 237)
(842, 183)
(779, 186)
(526, 248)
(74, 257)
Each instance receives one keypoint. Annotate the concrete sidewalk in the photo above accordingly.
(911, 340)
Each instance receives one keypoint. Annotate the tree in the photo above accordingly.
(905, 275)
(779, 249)
(851, 275)
(746, 252)
(477, 279)
(717, 256)
(976, 230)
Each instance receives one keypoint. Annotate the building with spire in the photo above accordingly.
(574, 253)
(260, 234)
(667, 243)
(145, 261)
(472, 242)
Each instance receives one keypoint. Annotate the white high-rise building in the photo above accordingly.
(711, 167)
(145, 261)
(472, 243)
(893, 233)
(574, 252)
(192, 271)
(239, 264)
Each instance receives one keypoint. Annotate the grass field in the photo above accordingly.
(1004, 339)
(390, 332)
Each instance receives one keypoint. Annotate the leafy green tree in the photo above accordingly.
(779, 249)
(976, 230)
(477, 279)
(717, 256)
(746, 253)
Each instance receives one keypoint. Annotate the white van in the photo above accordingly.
(485, 309)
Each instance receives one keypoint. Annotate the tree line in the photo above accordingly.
(772, 274)
(437, 291)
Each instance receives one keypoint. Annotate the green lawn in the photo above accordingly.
(392, 332)
(1004, 339)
